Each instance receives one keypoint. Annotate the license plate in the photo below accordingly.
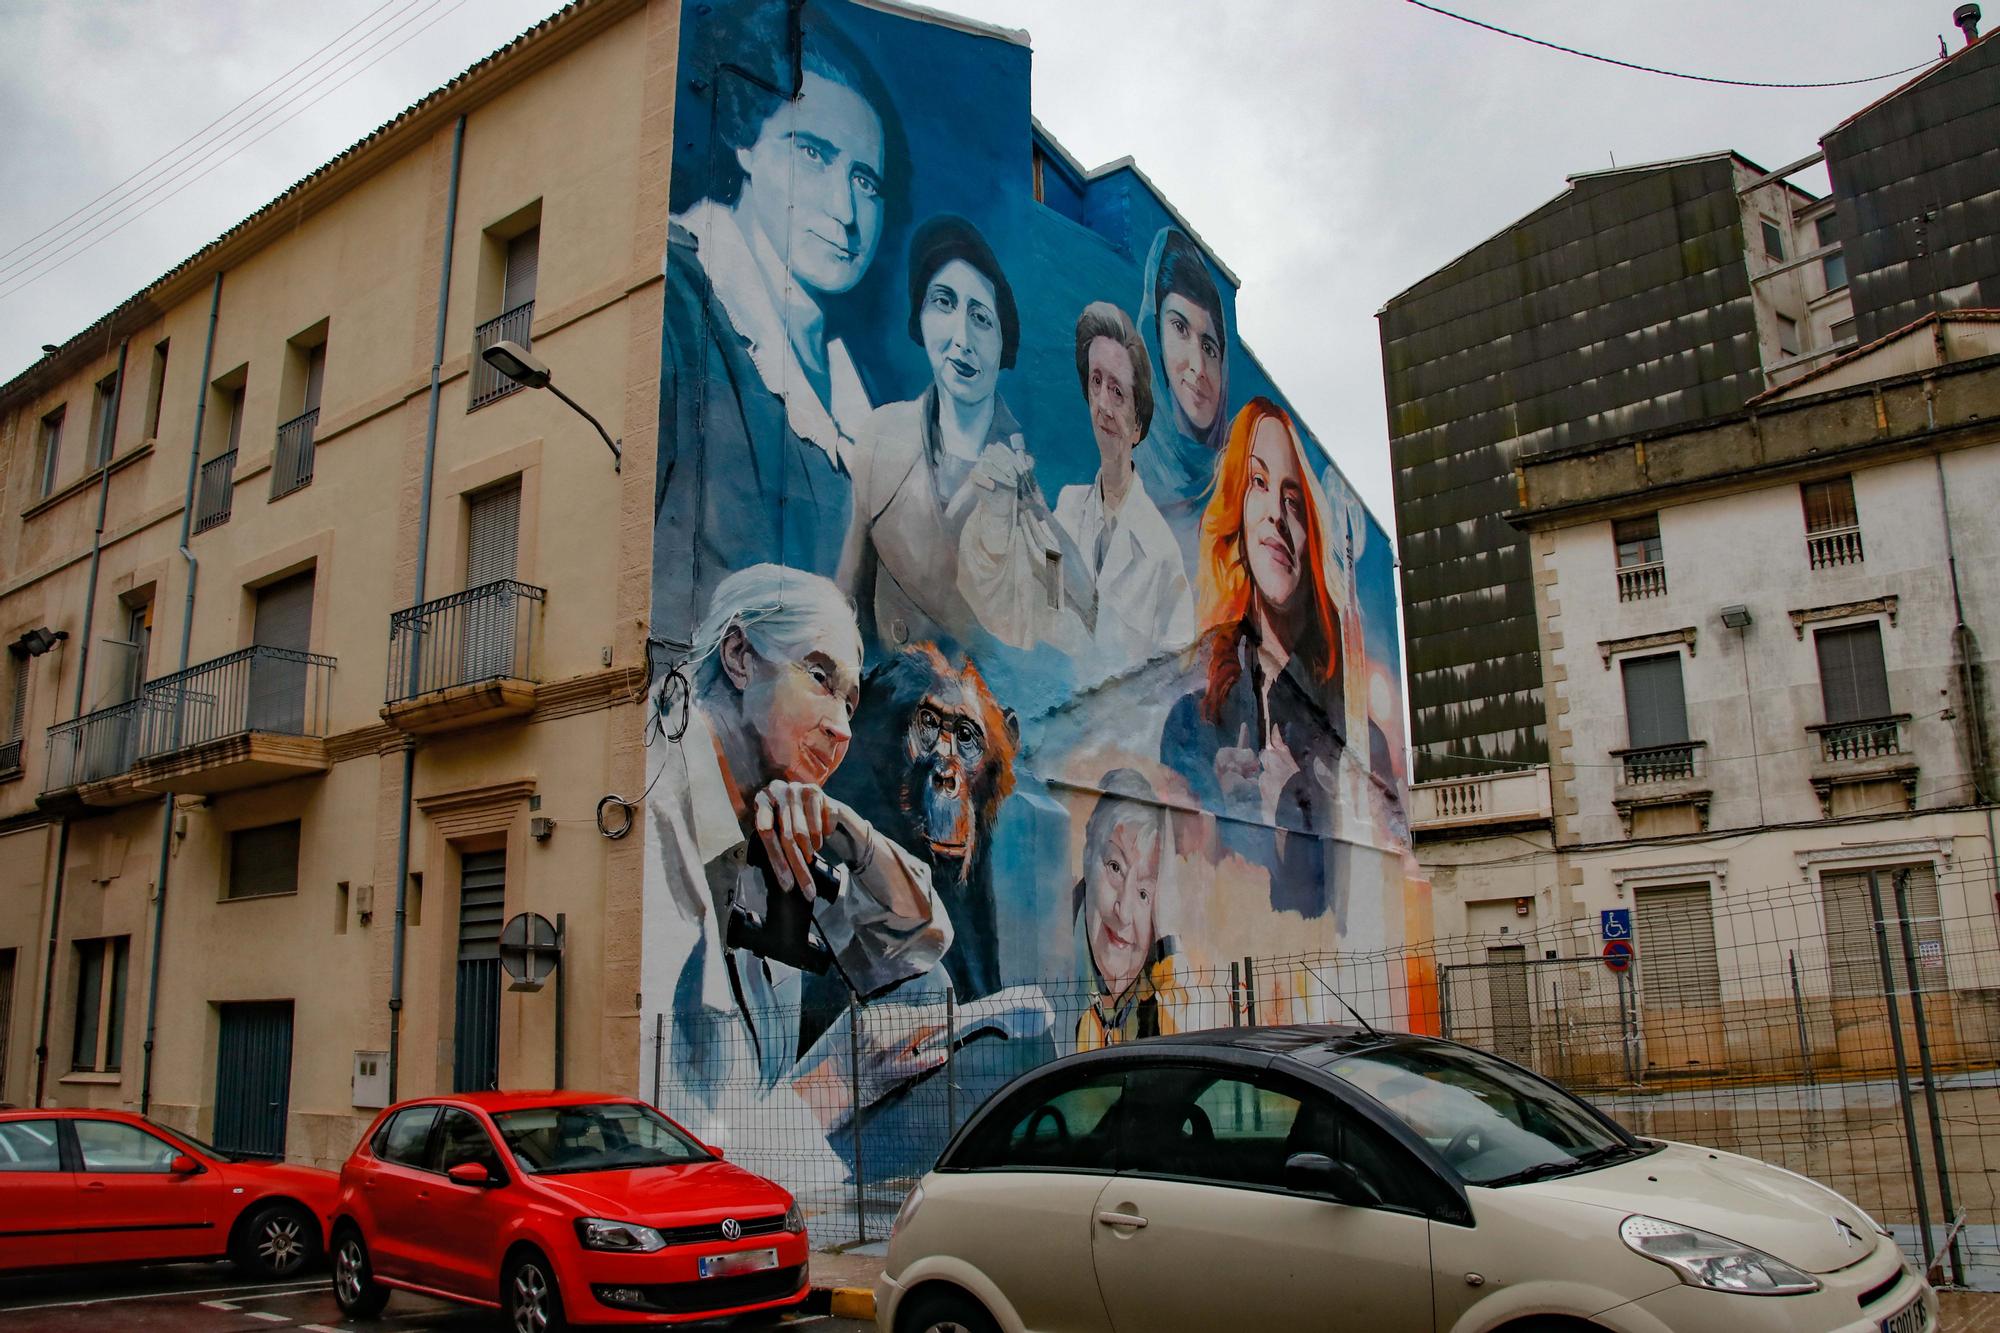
(1909, 1319)
(756, 1261)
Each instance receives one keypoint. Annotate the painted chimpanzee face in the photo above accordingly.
(945, 743)
(1121, 882)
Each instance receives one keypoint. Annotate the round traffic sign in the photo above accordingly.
(1618, 954)
(529, 947)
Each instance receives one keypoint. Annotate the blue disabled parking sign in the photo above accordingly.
(1615, 923)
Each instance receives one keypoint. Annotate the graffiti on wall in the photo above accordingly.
(1016, 637)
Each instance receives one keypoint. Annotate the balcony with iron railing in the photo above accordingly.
(292, 461)
(464, 659)
(1637, 582)
(1661, 777)
(215, 491)
(489, 384)
(255, 716)
(1863, 752)
(10, 756)
(1833, 547)
(91, 758)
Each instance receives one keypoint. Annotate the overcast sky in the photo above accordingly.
(1331, 152)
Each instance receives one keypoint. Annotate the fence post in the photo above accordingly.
(950, 1047)
(1902, 1070)
(1799, 1018)
(1627, 1026)
(1444, 1001)
(854, 1110)
(1901, 881)
(659, 1051)
(1249, 992)
(1235, 983)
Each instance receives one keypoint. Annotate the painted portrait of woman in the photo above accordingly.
(1125, 948)
(1260, 736)
(1183, 323)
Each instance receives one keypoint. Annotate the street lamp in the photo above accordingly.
(38, 641)
(525, 369)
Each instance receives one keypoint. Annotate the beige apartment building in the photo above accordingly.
(325, 642)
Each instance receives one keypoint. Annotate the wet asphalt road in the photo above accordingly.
(214, 1298)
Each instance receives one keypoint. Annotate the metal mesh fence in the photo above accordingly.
(1847, 1028)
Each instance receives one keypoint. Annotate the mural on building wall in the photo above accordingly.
(1013, 636)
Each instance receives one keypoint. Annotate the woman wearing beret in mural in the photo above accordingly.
(759, 395)
(1261, 736)
(1125, 952)
(1183, 322)
(737, 822)
(923, 459)
(1143, 607)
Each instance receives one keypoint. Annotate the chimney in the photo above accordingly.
(1967, 19)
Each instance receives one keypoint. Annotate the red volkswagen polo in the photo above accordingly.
(559, 1207)
(109, 1187)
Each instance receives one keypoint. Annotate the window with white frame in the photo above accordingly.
(48, 453)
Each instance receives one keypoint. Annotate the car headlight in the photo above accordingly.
(597, 1233)
(795, 1218)
(911, 1202)
(1704, 1259)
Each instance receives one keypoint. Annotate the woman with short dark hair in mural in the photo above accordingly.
(1260, 738)
(1183, 321)
(1125, 949)
(760, 395)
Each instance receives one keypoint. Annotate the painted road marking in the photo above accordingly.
(267, 1316)
(319, 1328)
(219, 1305)
(246, 1292)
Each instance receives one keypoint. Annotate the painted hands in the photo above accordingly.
(794, 819)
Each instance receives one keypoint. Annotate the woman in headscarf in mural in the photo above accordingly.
(1260, 738)
(923, 458)
(1124, 952)
(1183, 323)
(760, 396)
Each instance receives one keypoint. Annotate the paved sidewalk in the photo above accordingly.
(1967, 1312)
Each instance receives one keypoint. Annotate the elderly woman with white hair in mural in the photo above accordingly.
(740, 831)
(1125, 949)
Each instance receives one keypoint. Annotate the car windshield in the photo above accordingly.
(1492, 1123)
(605, 1136)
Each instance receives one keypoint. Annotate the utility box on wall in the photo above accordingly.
(371, 1079)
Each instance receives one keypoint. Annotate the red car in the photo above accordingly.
(559, 1207)
(108, 1187)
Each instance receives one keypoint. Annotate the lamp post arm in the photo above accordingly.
(617, 458)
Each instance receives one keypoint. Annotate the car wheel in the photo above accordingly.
(278, 1240)
(355, 1289)
(947, 1312)
(528, 1293)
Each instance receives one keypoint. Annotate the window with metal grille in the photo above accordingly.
(103, 420)
(1678, 968)
(1638, 540)
(1853, 683)
(482, 911)
(1853, 952)
(1655, 707)
(97, 1030)
(263, 861)
(48, 455)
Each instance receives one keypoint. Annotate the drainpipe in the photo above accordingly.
(423, 555)
(187, 635)
(76, 711)
(1964, 648)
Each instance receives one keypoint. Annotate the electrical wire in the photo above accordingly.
(172, 156)
(91, 241)
(1668, 73)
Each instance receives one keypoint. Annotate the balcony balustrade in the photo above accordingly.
(1834, 547)
(465, 658)
(215, 491)
(292, 461)
(489, 384)
(1659, 763)
(1637, 582)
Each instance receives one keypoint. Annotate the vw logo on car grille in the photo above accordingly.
(732, 1229)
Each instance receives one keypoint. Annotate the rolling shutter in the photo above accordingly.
(523, 265)
(492, 535)
(1655, 708)
(1852, 680)
(1853, 956)
(1676, 947)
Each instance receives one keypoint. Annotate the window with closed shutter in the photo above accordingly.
(1655, 708)
(277, 694)
(17, 695)
(523, 262)
(1853, 953)
(1852, 679)
(492, 535)
(482, 911)
(1829, 504)
(1678, 969)
(315, 377)
(263, 861)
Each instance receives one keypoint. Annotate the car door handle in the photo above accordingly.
(1121, 1220)
(94, 1185)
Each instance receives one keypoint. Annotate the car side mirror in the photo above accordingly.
(183, 1165)
(1316, 1173)
(471, 1173)
(715, 1152)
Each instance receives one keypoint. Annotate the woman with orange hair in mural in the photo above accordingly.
(1260, 737)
